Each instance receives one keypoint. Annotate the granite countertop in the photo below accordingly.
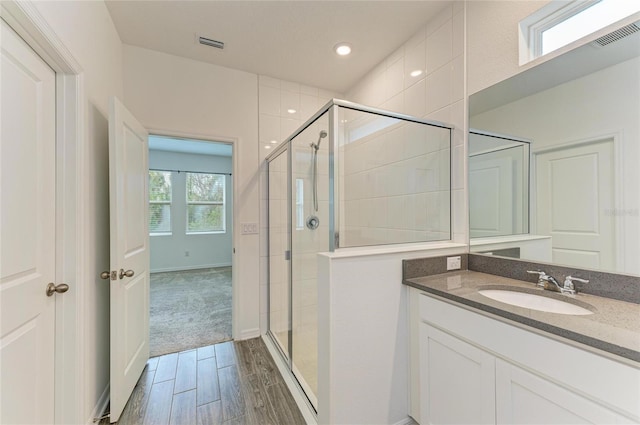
(614, 328)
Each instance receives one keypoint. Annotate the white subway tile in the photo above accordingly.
(414, 61)
(290, 86)
(308, 106)
(394, 80)
(439, 89)
(269, 81)
(287, 127)
(439, 47)
(458, 35)
(458, 116)
(417, 38)
(269, 129)
(395, 104)
(436, 22)
(269, 102)
(415, 102)
(289, 101)
(457, 79)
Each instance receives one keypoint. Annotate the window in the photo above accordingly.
(205, 203)
(159, 202)
(560, 23)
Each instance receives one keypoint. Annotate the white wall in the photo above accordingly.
(176, 96)
(437, 94)
(599, 105)
(363, 347)
(88, 33)
(492, 40)
(169, 251)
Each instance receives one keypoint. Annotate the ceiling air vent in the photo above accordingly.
(617, 34)
(209, 42)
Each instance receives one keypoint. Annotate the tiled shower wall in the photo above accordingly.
(276, 98)
(436, 93)
(394, 184)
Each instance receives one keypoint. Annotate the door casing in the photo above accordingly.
(72, 191)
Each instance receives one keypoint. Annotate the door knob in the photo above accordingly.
(128, 273)
(52, 288)
(105, 275)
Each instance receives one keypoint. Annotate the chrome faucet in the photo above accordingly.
(569, 287)
(549, 283)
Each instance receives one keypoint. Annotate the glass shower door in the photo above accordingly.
(309, 235)
(279, 270)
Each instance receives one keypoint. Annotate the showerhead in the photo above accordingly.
(322, 135)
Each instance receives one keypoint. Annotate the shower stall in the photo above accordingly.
(351, 176)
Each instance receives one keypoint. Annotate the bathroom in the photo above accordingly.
(462, 49)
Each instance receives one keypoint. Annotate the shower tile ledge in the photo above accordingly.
(395, 249)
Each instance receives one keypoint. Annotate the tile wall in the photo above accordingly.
(276, 123)
(426, 78)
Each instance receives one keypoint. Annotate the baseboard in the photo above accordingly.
(101, 406)
(247, 334)
(181, 269)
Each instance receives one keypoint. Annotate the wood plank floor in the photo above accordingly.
(227, 383)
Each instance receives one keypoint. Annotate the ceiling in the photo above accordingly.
(289, 40)
(199, 147)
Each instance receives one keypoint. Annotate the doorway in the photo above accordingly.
(190, 232)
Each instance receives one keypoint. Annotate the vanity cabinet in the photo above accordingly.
(467, 367)
(459, 379)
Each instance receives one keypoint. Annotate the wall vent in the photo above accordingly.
(209, 42)
(617, 34)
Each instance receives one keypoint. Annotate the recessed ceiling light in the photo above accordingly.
(273, 142)
(291, 111)
(416, 73)
(342, 49)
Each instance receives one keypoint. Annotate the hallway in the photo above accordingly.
(226, 383)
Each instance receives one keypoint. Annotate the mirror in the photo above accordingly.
(567, 134)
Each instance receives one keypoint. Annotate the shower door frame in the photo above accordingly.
(332, 108)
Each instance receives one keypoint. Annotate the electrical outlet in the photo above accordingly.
(249, 228)
(454, 263)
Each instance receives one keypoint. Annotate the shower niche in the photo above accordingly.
(351, 176)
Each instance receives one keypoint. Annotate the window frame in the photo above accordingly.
(223, 203)
(170, 203)
(532, 28)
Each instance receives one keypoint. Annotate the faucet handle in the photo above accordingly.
(568, 283)
(542, 276)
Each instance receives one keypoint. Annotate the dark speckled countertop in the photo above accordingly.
(614, 328)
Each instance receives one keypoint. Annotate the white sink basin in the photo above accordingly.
(534, 302)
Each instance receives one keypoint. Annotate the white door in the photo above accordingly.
(571, 180)
(128, 192)
(491, 196)
(27, 253)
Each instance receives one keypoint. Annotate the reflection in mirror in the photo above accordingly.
(581, 112)
(498, 185)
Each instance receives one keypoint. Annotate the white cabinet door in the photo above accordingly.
(525, 398)
(128, 191)
(27, 216)
(457, 380)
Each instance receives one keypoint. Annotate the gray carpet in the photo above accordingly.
(189, 309)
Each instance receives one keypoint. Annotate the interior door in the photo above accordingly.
(129, 280)
(577, 179)
(491, 196)
(27, 217)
